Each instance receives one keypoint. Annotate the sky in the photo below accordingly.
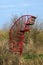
(9, 8)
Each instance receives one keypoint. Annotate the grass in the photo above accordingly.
(32, 56)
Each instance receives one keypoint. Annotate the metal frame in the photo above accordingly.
(26, 29)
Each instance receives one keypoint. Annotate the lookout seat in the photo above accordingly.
(30, 20)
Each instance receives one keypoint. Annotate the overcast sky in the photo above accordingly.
(8, 8)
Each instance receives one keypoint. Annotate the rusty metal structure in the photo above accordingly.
(17, 31)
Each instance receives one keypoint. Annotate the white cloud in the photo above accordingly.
(19, 5)
(7, 6)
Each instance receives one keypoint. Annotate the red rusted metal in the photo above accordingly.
(16, 33)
